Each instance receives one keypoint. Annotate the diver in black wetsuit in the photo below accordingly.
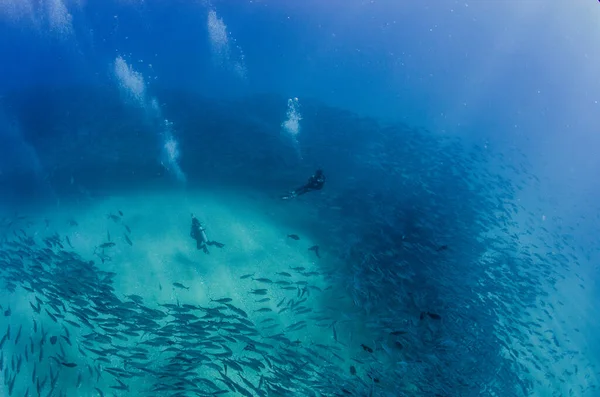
(315, 182)
(198, 233)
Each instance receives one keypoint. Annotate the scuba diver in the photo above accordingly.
(315, 182)
(198, 233)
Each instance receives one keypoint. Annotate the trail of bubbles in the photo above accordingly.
(131, 82)
(171, 153)
(291, 126)
(217, 33)
(16, 10)
(133, 85)
(221, 46)
(59, 18)
(52, 15)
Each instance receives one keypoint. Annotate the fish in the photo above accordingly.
(366, 348)
(53, 340)
(127, 228)
(260, 291)
(315, 248)
(73, 323)
(181, 286)
(263, 300)
(263, 280)
(245, 276)
(433, 316)
(107, 245)
(18, 335)
(121, 386)
(293, 237)
(375, 380)
(121, 213)
(296, 326)
(11, 385)
(442, 248)
(69, 365)
(7, 312)
(352, 370)
(222, 300)
(264, 310)
(128, 240)
(114, 218)
(135, 298)
(285, 274)
(52, 316)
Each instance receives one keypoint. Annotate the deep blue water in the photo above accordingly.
(457, 230)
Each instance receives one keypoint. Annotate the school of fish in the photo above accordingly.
(429, 279)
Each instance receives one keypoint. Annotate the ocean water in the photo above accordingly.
(451, 251)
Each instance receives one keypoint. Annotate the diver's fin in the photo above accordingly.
(288, 196)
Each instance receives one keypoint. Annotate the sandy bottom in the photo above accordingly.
(162, 253)
(153, 251)
(155, 258)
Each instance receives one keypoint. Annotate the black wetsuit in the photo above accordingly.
(315, 182)
(197, 234)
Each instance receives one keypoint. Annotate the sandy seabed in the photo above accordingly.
(153, 250)
(155, 259)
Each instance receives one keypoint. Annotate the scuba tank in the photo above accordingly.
(198, 232)
(202, 234)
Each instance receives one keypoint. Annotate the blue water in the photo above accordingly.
(452, 250)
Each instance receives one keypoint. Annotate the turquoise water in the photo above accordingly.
(451, 251)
